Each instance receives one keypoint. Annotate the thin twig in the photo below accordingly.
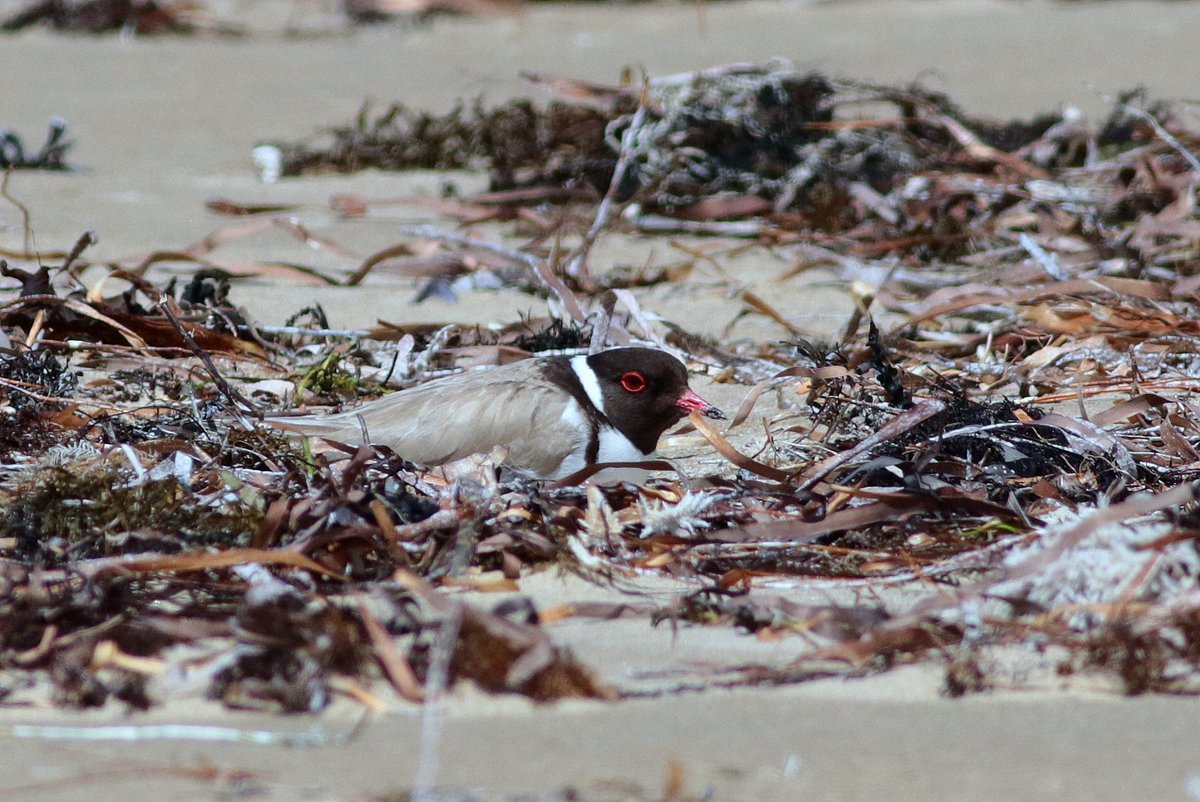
(85, 241)
(1164, 135)
(1046, 260)
(432, 714)
(312, 737)
(659, 224)
(225, 387)
(352, 334)
(577, 267)
(25, 224)
(603, 322)
(541, 271)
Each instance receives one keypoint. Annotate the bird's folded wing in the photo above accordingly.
(464, 414)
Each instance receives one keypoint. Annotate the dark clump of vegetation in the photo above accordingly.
(62, 513)
(517, 142)
(37, 379)
(100, 16)
(50, 156)
(559, 335)
(36, 385)
(1139, 658)
(298, 644)
(771, 135)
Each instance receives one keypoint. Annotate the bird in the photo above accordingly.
(555, 415)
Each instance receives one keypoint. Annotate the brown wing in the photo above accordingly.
(468, 413)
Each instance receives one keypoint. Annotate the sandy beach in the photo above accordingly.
(164, 125)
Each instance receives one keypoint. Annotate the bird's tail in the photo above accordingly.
(337, 427)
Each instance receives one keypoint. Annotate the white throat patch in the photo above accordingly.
(591, 384)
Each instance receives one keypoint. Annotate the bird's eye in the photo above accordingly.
(633, 381)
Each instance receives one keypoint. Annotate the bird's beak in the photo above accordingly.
(690, 402)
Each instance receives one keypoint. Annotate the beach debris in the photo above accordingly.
(782, 156)
(50, 156)
(1005, 427)
(140, 17)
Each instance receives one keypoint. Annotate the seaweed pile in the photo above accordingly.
(1018, 445)
(142, 17)
(50, 156)
(783, 147)
(187, 17)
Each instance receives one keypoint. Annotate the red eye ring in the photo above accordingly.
(633, 382)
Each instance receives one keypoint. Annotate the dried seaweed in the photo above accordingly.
(962, 449)
(562, 144)
(772, 153)
(143, 17)
(50, 156)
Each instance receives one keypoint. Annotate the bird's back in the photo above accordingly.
(455, 416)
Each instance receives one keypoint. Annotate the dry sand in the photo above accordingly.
(164, 125)
(842, 742)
